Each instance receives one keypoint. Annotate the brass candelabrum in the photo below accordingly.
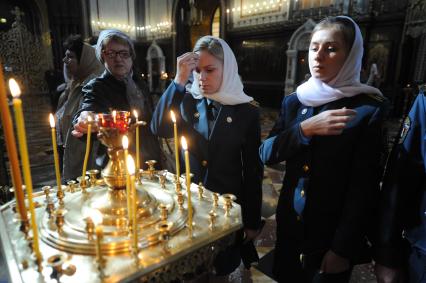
(84, 225)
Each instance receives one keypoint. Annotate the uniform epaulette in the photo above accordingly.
(376, 97)
(254, 103)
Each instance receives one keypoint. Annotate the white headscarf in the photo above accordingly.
(108, 33)
(231, 90)
(315, 92)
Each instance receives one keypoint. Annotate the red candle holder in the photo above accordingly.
(119, 121)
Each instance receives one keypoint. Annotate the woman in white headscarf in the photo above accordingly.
(221, 124)
(330, 135)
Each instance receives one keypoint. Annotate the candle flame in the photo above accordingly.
(96, 216)
(172, 114)
(184, 144)
(52, 120)
(89, 119)
(125, 142)
(135, 113)
(14, 88)
(130, 165)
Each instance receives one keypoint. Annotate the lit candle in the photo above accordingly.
(125, 143)
(11, 150)
(188, 182)
(23, 150)
(55, 152)
(131, 169)
(114, 117)
(86, 156)
(172, 114)
(138, 164)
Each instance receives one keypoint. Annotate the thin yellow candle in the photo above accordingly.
(22, 139)
(86, 156)
(172, 114)
(114, 117)
(55, 152)
(125, 143)
(188, 181)
(131, 169)
(11, 150)
(138, 163)
(97, 220)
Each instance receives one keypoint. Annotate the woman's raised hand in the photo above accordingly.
(327, 123)
(185, 64)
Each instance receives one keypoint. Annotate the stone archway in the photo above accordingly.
(299, 41)
(156, 67)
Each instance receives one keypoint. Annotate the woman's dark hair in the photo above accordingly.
(74, 43)
(341, 24)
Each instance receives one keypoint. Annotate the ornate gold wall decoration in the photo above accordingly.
(25, 55)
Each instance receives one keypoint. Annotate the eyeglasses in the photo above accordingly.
(112, 54)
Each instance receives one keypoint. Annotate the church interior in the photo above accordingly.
(270, 40)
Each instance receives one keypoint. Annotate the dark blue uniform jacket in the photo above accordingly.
(340, 178)
(226, 160)
(403, 196)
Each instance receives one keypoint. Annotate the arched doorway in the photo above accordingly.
(297, 56)
(156, 68)
(215, 26)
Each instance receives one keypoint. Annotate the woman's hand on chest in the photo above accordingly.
(329, 122)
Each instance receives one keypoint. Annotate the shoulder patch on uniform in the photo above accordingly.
(405, 129)
(376, 97)
(422, 88)
(254, 103)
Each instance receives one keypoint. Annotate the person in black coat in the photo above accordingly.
(330, 135)
(221, 124)
(400, 247)
(117, 89)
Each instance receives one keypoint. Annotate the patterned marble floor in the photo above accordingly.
(43, 173)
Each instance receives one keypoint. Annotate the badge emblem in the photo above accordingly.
(304, 111)
(197, 115)
(229, 119)
(405, 128)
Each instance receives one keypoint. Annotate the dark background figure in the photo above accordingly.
(80, 66)
(54, 78)
(403, 203)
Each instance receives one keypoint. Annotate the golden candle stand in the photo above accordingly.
(164, 252)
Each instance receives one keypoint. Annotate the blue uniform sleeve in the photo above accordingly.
(284, 141)
(179, 87)
(401, 186)
(161, 123)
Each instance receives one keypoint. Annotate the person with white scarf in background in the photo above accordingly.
(221, 125)
(330, 135)
(80, 66)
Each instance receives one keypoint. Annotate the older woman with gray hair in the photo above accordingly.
(117, 89)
